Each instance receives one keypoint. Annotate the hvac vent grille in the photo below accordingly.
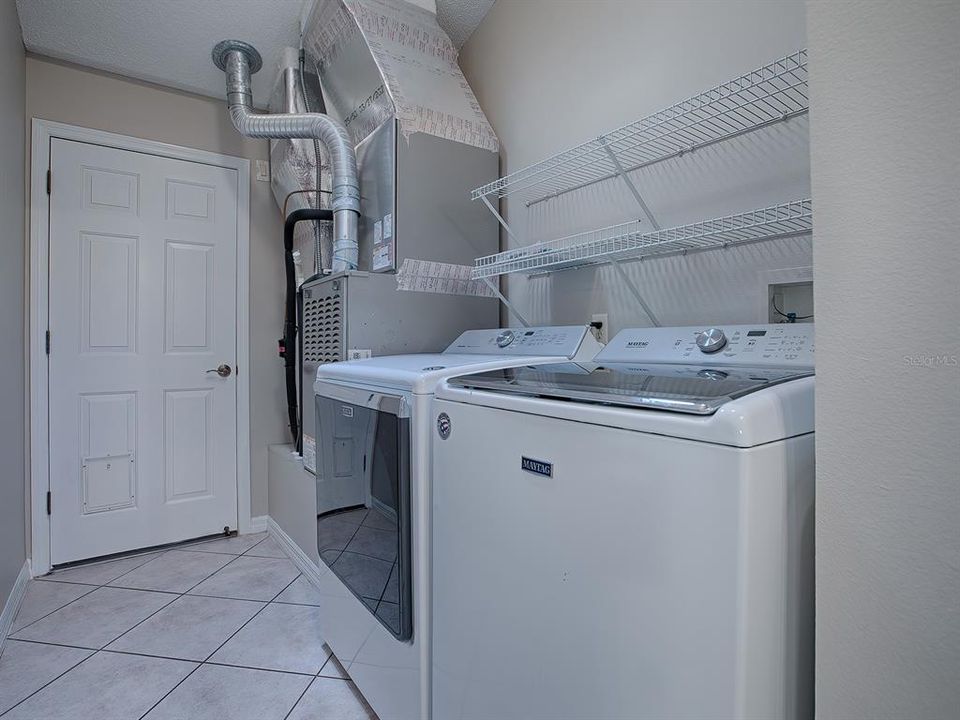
(322, 328)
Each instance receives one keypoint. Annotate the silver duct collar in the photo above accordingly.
(222, 50)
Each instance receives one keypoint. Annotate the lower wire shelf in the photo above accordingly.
(631, 241)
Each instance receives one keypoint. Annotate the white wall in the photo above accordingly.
(75, 95)
(12, 397)
(885, 125)
(550, 75)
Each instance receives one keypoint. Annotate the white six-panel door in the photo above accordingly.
(142, 304)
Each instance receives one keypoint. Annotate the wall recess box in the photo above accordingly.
(792, 288)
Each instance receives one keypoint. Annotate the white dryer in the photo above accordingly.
(636, 542)
(374, 435)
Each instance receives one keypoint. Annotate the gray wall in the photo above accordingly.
(885, 127)
(550, 75)
(12, 396)
(75, 95)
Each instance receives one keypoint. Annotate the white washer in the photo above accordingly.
(373, 499)
(633, 543)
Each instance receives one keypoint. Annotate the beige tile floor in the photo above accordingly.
(219, 629)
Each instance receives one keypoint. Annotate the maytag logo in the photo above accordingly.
(443, 425)
(537, 467)
(637, 343)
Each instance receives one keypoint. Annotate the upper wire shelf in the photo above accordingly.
(630, 241)
(767, 95)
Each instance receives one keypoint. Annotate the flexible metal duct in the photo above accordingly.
(239, 61)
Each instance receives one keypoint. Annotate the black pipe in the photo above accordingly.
(288, 350)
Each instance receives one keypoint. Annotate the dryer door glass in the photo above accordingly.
(363, 502)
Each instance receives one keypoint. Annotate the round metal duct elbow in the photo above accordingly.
(239, 61)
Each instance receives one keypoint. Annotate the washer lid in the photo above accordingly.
(418, 373)
(697, 390)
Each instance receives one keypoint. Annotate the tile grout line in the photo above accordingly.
(322, 665)
(107, 585)
(218, 648)
(203, 662)
(330, 655)
(300, 697)
(54, 644)
(164, 592)
(138, 624)
(166, 605)
(192, 660)
(95, 651)
(159, 592)
(225, 565)
(214, 663)
(167, 694)
(93, 588)
(326, 662)
(158, 554)
(255, 545)
(48, 579)
(252, 617)
(45, 685)
(177, 596)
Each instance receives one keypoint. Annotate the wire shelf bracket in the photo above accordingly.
(632, 287)
(500, 219)
(506, 303)
(630, 184)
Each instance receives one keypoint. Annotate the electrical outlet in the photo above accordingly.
(600, 327)
(263, 170)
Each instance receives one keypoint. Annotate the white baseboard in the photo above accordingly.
(12, 605)
(258, 524)
(294, 552)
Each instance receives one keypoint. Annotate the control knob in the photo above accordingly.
(505, 338)
(711, 340)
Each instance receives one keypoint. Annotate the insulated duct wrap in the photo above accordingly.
(380, 59)
(380, 62)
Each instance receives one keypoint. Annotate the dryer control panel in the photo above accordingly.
(568, 341)
(779, 345)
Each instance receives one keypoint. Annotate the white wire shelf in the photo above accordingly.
(767, 95)
(631, 241)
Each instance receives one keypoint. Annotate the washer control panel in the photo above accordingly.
(562, 341)
(779, 345)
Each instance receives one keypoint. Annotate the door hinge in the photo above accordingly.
(49, 181)
(48, 342)
(49, 505)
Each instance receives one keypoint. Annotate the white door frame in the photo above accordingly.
(42, 133)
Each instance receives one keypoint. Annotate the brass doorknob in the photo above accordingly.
(223, 370)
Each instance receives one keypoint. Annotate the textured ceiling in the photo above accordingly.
(461, 17)
(169, 41)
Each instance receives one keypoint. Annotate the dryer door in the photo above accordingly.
(363, 499)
